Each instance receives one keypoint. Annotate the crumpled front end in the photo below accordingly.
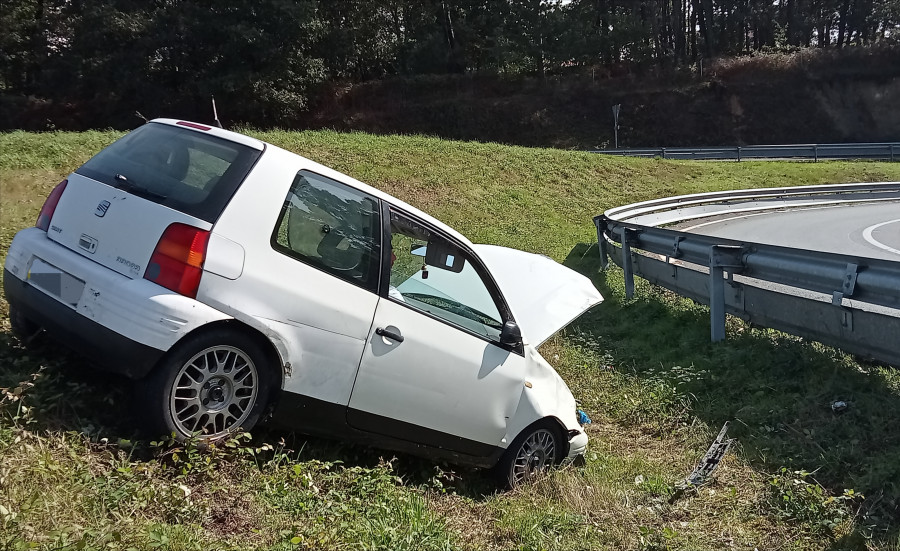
(546, 396)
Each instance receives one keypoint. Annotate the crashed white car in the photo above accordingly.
(234, 279)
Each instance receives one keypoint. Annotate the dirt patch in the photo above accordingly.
(231, 516)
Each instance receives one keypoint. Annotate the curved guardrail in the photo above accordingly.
(887, 151)
(850, 302)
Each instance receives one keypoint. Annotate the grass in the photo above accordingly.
(75, 475)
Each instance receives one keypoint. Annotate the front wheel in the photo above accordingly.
(208, 387)
(533, 452)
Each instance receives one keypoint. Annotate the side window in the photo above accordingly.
(332, 227)
(431, 274)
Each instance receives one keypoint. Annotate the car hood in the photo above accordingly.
(544, 296)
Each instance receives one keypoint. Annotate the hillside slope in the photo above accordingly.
(808, 97)
(74, 473)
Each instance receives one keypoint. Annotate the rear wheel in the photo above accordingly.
(208, 386)
(533, 452)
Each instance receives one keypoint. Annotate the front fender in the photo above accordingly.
(544, 396)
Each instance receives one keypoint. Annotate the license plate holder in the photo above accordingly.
(55, 282)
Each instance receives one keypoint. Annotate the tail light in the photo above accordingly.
(43, 219)
(177, 261)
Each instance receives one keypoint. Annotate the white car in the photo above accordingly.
(234, 278)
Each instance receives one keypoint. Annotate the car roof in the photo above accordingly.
(318, 168)
(215, 131)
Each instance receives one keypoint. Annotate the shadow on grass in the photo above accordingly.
(775, 390)
(62, 392)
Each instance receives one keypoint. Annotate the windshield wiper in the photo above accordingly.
(449, 303)
(132, 187)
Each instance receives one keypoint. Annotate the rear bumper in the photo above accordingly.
(108, 349)
(124, 324)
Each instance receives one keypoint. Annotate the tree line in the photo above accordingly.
(267, 57)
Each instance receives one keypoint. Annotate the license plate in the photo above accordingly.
(55, 282)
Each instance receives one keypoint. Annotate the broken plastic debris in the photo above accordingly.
(583, 418)
(711, 460)
(839, 406)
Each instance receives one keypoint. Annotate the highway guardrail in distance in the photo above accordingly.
(850, 302)
(814, 152)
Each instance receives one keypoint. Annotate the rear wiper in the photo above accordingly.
(132, 187)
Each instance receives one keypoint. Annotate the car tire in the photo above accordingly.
(208, 386)
(22, 327)
(533, 452)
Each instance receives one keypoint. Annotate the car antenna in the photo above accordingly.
(215, 114)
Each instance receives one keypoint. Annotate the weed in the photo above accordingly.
(72, 473)
(655, 485)
(652, 539)
(796, 496)
(403, 524)
(538, 528)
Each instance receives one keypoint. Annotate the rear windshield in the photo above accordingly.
(188, 171)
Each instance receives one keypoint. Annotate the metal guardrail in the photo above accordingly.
(846, 301)
(814, 152)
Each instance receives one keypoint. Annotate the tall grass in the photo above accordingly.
(75, 475)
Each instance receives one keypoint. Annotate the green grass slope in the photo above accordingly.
(73, 474)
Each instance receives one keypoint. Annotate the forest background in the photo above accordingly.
(531, 72)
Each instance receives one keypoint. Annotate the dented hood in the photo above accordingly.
(544, 296)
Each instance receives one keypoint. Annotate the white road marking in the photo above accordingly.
(742, 216)
(720, 220)
(867, 235)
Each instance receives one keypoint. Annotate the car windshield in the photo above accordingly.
(443, 282)
(189, 171)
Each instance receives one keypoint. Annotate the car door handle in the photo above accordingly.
(389, 334)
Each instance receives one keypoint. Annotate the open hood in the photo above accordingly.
(543, 295)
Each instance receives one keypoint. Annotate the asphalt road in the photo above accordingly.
(865, 230)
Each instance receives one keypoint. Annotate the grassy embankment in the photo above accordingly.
(73, 474)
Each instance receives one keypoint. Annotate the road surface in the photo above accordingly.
(866, 230)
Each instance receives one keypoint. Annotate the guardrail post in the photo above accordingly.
(815, 153)
(601, 243)
(716, 299)
(739, 153)
(604, 253)
(892, 153)
(627, 237)
(720, 257)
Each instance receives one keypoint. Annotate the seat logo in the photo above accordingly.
(102, 208)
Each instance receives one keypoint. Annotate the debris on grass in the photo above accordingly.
(702, 473)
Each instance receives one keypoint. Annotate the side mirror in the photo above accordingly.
(510, 335)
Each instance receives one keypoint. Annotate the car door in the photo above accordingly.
(433, 370)
(320, 287)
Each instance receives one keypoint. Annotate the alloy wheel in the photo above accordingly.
(214, 392)
(536, 454)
